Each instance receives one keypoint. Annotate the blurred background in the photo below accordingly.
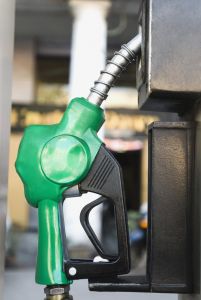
(60, 48)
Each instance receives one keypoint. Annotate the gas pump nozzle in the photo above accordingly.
(54, 158)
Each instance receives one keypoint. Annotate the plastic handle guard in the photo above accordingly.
(105, 179)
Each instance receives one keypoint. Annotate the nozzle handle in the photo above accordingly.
(49, 268)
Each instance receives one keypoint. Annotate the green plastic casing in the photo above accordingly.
(52, 158)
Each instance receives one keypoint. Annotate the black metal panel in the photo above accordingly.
(169, 246)
(170, 199)
(169, 79)
(123, 283)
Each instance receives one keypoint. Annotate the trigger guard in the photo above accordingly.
(84, 220)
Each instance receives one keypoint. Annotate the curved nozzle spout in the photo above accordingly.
(113, 69)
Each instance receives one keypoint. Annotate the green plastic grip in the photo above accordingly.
(50, 255)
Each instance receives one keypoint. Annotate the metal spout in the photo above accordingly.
(58, 292)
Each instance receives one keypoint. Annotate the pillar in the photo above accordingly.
(7, 16)
(23, 90)
(88, 57)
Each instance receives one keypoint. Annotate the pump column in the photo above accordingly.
(88, 57)
(89, 39)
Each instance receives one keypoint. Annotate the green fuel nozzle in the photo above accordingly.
(53, 159)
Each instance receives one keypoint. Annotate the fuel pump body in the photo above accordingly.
(168, 80)
(170, 200)
(168, 77)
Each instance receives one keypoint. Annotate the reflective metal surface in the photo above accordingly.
(58, 292)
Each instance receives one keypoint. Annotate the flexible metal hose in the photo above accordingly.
(113, 69)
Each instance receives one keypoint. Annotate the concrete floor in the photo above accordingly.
(19, 285)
